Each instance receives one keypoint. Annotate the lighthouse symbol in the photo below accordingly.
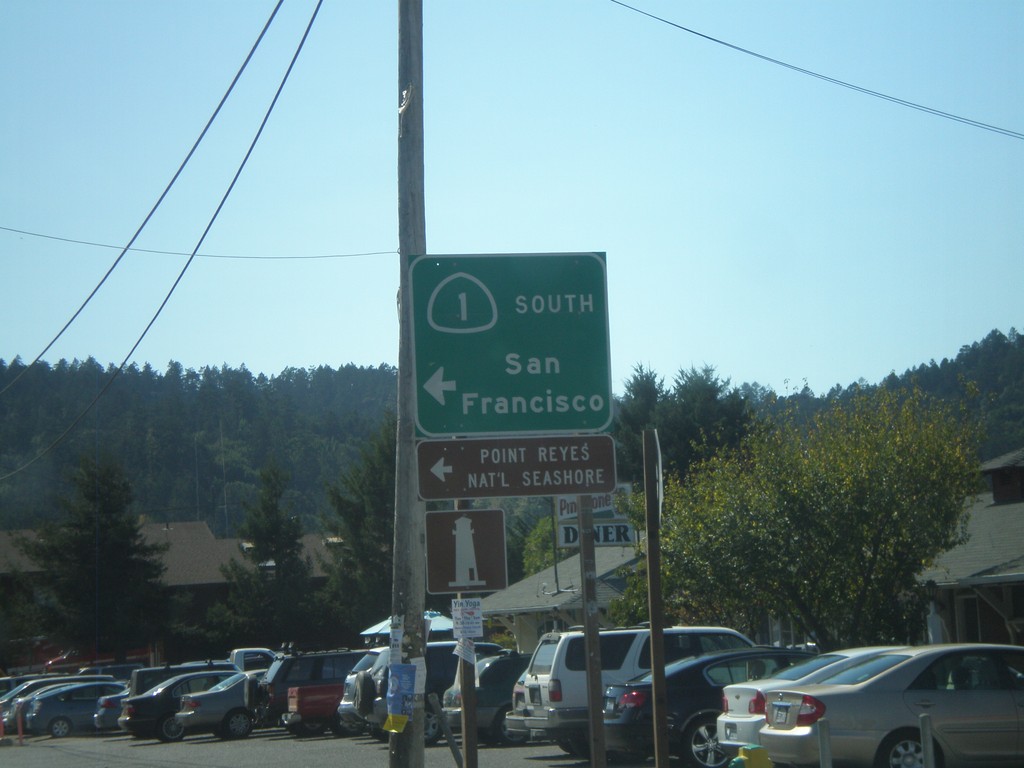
(466, 574)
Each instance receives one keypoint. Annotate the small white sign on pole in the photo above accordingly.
(467, 617)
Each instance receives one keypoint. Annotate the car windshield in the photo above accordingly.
(228, 682)
(865, 670)
(805, 668)
(366, 662)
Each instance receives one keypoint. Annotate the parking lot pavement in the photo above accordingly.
(271, 746)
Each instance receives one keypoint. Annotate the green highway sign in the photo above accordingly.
(511, 344)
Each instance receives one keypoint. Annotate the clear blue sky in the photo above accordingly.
(778, 227)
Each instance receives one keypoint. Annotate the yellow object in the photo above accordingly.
(751, 756)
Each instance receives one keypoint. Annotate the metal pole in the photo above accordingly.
(825, 743)
(592, 639)
(408, 585)
(927, 745)
(652, 497)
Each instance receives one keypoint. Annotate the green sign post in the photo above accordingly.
(511, 344)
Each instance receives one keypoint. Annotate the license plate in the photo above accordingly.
(781, 713)
(609, 705)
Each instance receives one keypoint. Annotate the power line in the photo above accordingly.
(199, 255)
(209, 226)
(827, 79)
(156, 205)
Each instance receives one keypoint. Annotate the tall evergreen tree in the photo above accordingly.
(100, 582)
(270, 595)
(359, 573)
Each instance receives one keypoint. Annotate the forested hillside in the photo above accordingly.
(191, 442)
(987, 377)
(194, 442)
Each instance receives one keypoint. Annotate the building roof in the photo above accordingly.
(545, 591)
(194, 555)
(1006, 461)
(994, 551)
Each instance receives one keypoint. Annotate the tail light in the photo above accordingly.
(554, 690)
(757, 704)
(811, 710)
(108, 703)
(191, 704)
(128, 710)
(632, 699)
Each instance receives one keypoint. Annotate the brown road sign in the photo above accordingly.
(515, 466)
(466, 551)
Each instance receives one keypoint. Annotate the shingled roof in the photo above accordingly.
(543, 591)
(194, 555)
(994, 551)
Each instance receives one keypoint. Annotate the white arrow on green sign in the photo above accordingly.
(511, 344)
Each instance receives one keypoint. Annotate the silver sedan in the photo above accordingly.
(973, 693)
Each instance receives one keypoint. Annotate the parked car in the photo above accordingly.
(495, 678)
(151, 714)
(297, 669)
(312, 709)
(349, 720)
(249, 659)
(693, 701)
(13, 681)
(108, 709)
(65, 709)
(973, 693)
(554, 704)
(743, 704)
(441, 664)
(121, 672)
(146, 678)
(228, 709)
(11, 703)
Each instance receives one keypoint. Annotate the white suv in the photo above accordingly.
(552, 701)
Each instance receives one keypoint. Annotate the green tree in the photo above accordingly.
(636, 412)
(100, 583)
(700, 414)
(358, 591)
(539, 551)
(828, 522)
(270, 594)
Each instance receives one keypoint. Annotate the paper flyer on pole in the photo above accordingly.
(401, 692)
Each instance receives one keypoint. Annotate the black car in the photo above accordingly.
(693, 692)
(297, 669)
(495, 678)
(440, 663)
(151, 714)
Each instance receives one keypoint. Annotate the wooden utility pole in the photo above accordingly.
(407, 598)
(591, 635)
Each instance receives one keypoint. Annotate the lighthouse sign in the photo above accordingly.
(466, 551)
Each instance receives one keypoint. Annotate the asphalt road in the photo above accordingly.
(269, 747)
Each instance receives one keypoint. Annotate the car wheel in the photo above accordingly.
(237, 724)
(577, 746)
(347, 727)
(305, 730)
(903, 749)
(431, 729)
(169, 729)
(500, 734)
(364, 694)
(59, 727)
(700, 747)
